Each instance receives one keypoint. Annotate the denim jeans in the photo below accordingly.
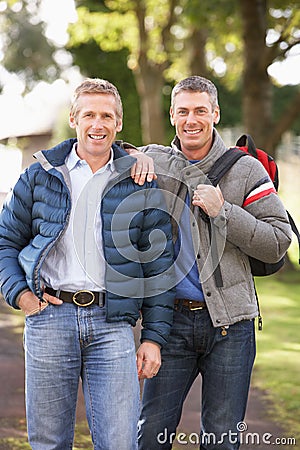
(224, 358)
(63, 344)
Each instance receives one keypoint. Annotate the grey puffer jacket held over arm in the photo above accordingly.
(259, 229)
(139, 274)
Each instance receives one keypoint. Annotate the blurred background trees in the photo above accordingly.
(26, 50)
(145, 46)
(231, 42)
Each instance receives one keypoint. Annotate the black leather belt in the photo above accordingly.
(83, 297)
(192, 305)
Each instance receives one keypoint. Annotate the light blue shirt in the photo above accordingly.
(77, 261)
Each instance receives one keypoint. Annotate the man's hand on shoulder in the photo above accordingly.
(143, 169)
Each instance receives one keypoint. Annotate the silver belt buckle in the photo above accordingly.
(78, 294)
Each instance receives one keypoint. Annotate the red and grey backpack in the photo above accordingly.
(245, 146)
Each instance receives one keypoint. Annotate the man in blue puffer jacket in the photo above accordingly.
(83, 251)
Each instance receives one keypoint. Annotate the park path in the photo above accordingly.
(12, 410)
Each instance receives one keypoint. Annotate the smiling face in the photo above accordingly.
(96, 123)
(194, 117)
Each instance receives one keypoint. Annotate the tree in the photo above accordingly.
(223, 39)
(234, 43)
(94, 62)
(147, 29)
(27, 52)
(260, 18)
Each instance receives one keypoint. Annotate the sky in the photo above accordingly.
(58, 13)
(288, 71)
(36, 110)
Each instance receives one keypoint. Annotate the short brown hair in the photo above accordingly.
(196, 83)
(96, 86)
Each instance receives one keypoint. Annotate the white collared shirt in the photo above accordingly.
(77, 261)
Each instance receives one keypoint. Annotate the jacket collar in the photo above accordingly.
(217, 149)
(56, 156)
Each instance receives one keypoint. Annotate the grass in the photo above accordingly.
(277, 366)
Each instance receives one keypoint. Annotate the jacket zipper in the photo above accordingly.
(39, 263)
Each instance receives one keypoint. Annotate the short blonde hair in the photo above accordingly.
(96, 86)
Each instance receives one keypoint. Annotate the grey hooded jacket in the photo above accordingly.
(261, 229)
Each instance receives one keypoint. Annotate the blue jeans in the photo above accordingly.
(63, 344)
(225, 362)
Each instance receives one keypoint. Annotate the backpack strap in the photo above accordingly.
(295, 230)
(229, 158)
(223, 164)
(217, 171)
(246, 140)
(247, 144)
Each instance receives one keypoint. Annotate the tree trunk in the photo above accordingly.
(257, 87)
(283, 124)
(197, 45)
(150, 83)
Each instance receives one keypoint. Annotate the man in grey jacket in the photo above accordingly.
(215, 230)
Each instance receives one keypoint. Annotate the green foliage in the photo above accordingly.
(107, 41)
(61, 129)
(112, 31)
(113, 25)
(112, 66)
(27, 51)
(283, 96)
(116, 27)
(231, 103)
(92, 5)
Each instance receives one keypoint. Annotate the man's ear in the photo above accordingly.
(171, 117)
(217, 115)
(119, 126)
(72, 122)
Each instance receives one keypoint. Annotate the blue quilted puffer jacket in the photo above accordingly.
(136, 234)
